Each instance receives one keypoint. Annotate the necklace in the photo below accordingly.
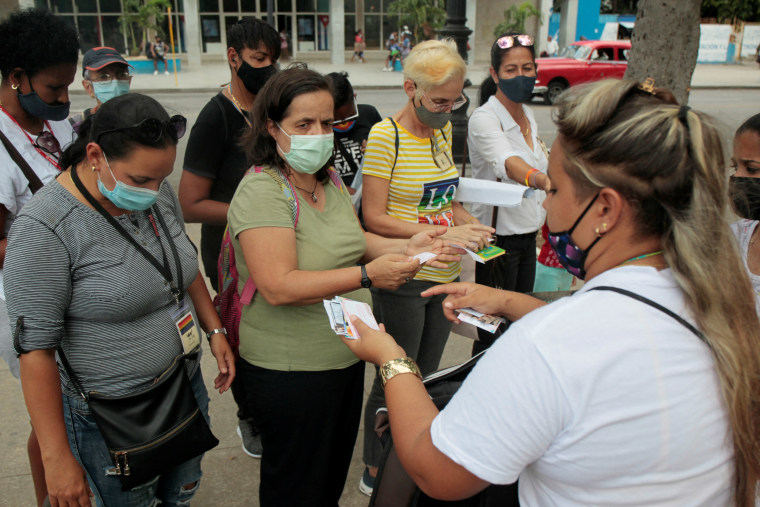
(238, 106)
(639, 257)
(310, 192)
(527, 129)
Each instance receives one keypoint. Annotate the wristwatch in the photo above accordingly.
(398, 366)
(366, 282)
(219, 330)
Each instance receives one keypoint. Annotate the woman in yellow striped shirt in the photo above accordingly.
(409, 185)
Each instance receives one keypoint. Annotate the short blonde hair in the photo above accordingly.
(434, 62)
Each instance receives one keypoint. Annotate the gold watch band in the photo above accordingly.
(397, 366)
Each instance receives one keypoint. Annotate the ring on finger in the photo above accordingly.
(407, 279)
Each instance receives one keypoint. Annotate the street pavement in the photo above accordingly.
(230, 477)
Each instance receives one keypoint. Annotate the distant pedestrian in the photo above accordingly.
(757, 55)
(284, 50)
(359, 46)
(158, 54)
(389, 45)
(552, 48)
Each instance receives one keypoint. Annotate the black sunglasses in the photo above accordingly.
(150, 130)
(48, 143)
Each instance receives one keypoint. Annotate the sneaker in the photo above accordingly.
(251, 438)
(367, 483)
(166, 72)
(155, 72)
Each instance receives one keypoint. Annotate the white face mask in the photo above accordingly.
(308, 154)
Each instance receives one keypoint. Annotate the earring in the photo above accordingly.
(93, 168)
(15, 86)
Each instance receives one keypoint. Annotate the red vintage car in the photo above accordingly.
(581, 62)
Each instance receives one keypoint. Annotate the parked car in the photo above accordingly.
(581, 62)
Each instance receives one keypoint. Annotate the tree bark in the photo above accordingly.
(656, 50)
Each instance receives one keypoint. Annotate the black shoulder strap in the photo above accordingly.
(34, 180)
(395, 158)
(658, 306)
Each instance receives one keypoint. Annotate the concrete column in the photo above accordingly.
(545, 6)
(192, 33)
(337, 34)
(471, 14)
(568, 22)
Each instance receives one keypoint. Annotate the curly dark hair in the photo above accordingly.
(343, 91)
(250, 32)
(34, 40)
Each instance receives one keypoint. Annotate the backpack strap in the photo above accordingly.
(336, 179)
(287, 188)
(34, 181)
(395, 158)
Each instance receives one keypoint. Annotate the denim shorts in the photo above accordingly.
(91, 452)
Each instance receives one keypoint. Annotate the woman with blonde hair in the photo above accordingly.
(409, 185)
(642, 388)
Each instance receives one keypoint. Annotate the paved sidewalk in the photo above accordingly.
(214, 73)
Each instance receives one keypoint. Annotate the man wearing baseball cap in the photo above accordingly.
(105, 75)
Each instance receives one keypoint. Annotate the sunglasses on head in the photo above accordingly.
(150, 130)
(508, 41)
(48, 143)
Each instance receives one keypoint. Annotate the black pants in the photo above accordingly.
(308, 422)
(514, 271)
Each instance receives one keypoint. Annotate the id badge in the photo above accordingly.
(186, 327)
(443, 160)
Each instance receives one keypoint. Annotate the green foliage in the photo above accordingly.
(138, 17)
(417, 13)
(728, 10)
(515, 18)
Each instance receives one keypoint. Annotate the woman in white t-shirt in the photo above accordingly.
(744, 190)
(34, 106)
(605, 398)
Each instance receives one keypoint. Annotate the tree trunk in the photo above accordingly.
(660, 53)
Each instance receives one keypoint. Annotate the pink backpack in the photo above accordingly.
(230, 301)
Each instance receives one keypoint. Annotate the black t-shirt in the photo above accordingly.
(213, 152)
(351, 143)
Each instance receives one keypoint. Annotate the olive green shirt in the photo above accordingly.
(296, 338)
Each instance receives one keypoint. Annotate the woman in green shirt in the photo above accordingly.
(305, 386)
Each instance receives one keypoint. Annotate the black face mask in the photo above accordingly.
(38, 108)
(744, 192)
(254, 78)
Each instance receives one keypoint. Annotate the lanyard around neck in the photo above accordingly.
(41, 152)
(178, 293)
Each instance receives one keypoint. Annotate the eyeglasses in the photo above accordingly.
(48, 143)
(107, 78)
(508, 41)
(352, 117)
(150, 130)
(441, 106)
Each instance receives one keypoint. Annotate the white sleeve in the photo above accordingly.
(8, 182)
(506, 414)
(486, 137)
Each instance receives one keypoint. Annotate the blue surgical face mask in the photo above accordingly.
(105, 91)
(38, 108)
(126, 196)
(308, 154)
(518, 89)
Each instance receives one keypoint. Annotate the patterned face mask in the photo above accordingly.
(570, 255)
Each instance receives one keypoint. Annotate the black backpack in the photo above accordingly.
(393, 486)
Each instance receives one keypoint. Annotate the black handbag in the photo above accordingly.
(153, 430)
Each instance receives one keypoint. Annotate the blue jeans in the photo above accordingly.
(91, 452)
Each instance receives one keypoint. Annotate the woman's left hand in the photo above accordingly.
(431, 241)
(377, 347)
(225, 360)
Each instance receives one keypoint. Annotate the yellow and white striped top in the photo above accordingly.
(419, 191)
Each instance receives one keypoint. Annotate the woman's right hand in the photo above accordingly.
(474, 236)
(390, 271)
(67, 482)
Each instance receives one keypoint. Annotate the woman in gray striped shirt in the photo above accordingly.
(87, 284)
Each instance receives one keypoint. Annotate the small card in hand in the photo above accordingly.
(484, 321)
(339, 310)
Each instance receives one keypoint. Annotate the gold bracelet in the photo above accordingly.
(470, 220)
(396, 367)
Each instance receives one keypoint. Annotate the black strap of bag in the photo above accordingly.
(34, 181)
(177, 289)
